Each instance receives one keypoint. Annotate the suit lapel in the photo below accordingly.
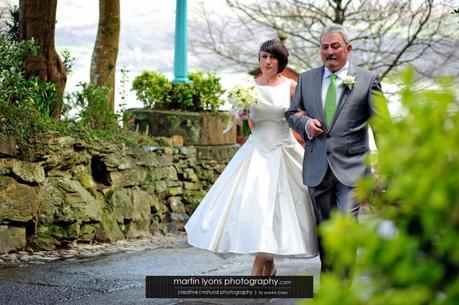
(345, 92)
(318, 93)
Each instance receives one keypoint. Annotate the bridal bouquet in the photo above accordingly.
(242, 98)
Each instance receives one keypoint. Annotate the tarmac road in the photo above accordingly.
(120, 278)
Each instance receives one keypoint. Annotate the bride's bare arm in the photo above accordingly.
(293, 85)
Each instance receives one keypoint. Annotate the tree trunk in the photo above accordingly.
(37, 20)
(103, 64)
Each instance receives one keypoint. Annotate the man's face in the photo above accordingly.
(334, 51)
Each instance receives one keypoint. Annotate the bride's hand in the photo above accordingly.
(241, 115)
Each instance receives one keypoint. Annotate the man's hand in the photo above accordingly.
(313, 128)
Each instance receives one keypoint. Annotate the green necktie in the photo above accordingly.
(330, 100)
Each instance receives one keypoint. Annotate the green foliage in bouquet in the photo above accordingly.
(246, 131)
(416, 190)
(156, 91)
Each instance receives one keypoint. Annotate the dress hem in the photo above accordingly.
(229, 253)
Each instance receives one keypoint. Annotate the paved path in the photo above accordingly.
(120, 278)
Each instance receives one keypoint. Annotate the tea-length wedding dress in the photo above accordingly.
(259, 203)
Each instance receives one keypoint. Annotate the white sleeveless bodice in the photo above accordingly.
(269, 125)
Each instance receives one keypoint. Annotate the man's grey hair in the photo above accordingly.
(336, 28)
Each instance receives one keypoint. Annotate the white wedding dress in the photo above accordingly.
(259, 203)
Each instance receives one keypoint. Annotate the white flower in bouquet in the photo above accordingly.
(243, 97)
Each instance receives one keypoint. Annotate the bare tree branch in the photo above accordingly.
(385, 34)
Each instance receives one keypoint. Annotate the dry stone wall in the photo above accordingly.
(73, 191)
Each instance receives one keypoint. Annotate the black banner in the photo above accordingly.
(229, 287)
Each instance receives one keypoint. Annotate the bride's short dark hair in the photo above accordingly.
(277, 50)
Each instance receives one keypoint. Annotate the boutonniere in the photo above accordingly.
(348, 81)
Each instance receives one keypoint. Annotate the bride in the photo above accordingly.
(259, 204)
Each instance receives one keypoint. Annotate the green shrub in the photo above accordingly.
(24, 103)
(181, 97)
(95, 110)
(95, 119)
(206, 91)
(418, 263)
(67, 60)
(152, 88)
(156, 91)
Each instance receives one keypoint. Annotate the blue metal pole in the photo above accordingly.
(181, 43)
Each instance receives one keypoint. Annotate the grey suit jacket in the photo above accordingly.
(344, 144)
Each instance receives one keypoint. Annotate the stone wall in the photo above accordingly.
(73, 191)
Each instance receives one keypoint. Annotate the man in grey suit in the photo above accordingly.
(337, 100)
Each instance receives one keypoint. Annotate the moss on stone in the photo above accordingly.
(192, 199)
(88, 231)
(109, 229)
